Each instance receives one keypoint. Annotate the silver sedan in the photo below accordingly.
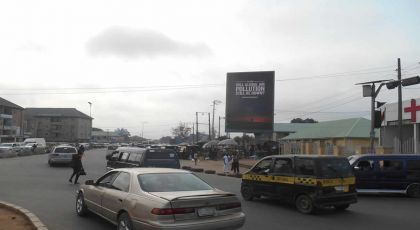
(159, 198)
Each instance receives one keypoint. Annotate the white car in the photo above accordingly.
(61, 154)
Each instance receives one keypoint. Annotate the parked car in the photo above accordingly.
(393, 173)
(308, 181)
(16, 147)
(159, 198)
(39, 142)
(128, 157)
(61, 154)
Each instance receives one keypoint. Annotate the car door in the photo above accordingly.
(366, 174)
(391, 174)
(261, 179)
(283, 176)
(115, 195)
(93, 193)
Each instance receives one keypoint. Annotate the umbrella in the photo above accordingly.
(210, 144)
(228, 142)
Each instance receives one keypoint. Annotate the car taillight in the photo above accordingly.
(172, 211)
(229, 206)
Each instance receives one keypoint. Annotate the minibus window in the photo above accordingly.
(413, 166)
(305, 167)
(390, 165)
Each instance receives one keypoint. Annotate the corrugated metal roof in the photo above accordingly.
(347, 128)
(291, 127)
(7, 103)
(54, 112)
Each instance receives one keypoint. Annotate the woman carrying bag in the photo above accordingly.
(76, 164)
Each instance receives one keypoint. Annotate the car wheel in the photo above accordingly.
(247, 193)
(124, 222)
(342, 207)
(413, 190)
(304, 204)
(81, 208)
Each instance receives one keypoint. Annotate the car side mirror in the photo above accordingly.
(90, 182)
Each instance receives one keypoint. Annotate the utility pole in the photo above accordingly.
(219, 127)
(196, 130)
(400, 132)
(209, 129)
(215, 102)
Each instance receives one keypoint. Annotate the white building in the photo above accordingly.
(389, 136)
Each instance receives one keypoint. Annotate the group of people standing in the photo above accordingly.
(231, 162)
(76, 164)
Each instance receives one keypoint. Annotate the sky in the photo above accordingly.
(149, 65)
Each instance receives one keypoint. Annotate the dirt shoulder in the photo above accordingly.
(13, 220)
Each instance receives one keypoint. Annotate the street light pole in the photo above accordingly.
(215, 102)
(90, 109)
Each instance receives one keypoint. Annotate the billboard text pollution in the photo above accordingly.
(250, 102)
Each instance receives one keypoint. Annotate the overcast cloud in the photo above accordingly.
(133, 43)
(161, 61)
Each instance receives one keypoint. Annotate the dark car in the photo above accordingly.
(389, 173)
(128, 157)
(310, 182)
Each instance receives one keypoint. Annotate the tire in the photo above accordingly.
(413, 190)
(124, 222)
(304, 204)
(247, 193)
(81, 208)
(342, 207)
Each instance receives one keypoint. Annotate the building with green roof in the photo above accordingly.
(339, 137)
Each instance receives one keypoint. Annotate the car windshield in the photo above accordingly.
(334, 168)
(171, 182)
(65, 150)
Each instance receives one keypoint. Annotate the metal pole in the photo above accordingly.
(400, 132)
(372, 117)
(209, 129)
(219, 127)
(193, 131)
(196, 130)
(212, 126)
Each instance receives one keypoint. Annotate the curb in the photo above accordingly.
(36, 222)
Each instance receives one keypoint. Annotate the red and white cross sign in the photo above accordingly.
(413, 110)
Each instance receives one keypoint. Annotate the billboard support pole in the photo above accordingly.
(196, 129)
(209, 128)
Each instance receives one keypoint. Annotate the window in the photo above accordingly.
(125, 156)
(115, 156)
(107, 179)
(413, 166)
(365, 165)
(138, 157)
(305, 167)
(172, 182)
(283, 166)
(263, 167)
(122, 182)
(390, 165)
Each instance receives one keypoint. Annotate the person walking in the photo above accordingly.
(195, 158)
(76, 164)
(226, 163)
(235, 163)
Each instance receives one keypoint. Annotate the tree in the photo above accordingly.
(182, 131)
(300, 120)
(123, 132)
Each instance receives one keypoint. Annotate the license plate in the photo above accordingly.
(343, 188)
(207, 211)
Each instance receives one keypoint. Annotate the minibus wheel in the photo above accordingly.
(304, 204)
(413, 190)
(247, 193)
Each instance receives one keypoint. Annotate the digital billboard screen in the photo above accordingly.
(250, 102)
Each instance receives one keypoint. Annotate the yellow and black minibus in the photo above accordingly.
(309, 181)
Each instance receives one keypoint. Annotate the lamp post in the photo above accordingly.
(142, 128)
(196, 120)
(90, 109)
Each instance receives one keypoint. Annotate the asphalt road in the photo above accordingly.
(29, 182)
